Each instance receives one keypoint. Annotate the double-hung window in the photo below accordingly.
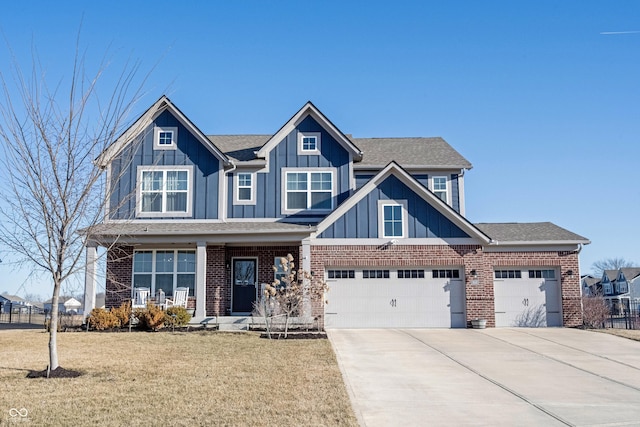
(308, 190)
(245, 188)
(440, 187)
(164, 269)
(164, 191)
(164, 138)
(392, 218)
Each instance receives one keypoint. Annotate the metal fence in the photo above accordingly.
(21, 314)
(628, 319)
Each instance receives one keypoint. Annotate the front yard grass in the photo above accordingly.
(632, 334)
(195, 378)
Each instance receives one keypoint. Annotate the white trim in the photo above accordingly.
(153, 271)
(461, 204)
(201, 279)
(429, 241)
(161, 105)
(308, 171)
(309, 109)
(302, 136)
(403, 218)
(393, 169)
(90, 276)
(166, 129)
(532, 247)
(232, 273)
(141, 169)
(236, 188)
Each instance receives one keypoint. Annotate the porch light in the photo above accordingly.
(570, 273)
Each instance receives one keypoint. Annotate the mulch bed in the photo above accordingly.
(59, 372)
(296, 335)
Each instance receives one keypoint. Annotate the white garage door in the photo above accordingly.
(527, 297)
(395, 298)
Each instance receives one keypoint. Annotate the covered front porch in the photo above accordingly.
(223, 270)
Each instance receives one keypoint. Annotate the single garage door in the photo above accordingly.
(395, 298)
(527, 297)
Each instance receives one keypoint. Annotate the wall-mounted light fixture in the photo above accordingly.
(570, 273)
(474, 274)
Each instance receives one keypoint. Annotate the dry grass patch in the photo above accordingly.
(200, 378)
(625, 333)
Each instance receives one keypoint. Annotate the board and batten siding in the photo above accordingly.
(285, 155)
(361, 221)
(189, 152)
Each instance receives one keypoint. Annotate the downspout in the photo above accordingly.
(225, 190)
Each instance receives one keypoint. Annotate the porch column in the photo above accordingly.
(201, 279)
(90, 279)
(306, 266)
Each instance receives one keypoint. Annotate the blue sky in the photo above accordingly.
(545, 107)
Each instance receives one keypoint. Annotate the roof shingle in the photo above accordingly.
(529, 232)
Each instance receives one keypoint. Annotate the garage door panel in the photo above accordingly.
(395, 302)
(527, 301)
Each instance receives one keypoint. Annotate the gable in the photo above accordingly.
(205, 168)
(300, 118)
(362, 220)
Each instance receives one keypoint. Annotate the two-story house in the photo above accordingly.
(381, 220)
(620, 289)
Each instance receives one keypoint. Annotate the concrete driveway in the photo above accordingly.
(491, 377)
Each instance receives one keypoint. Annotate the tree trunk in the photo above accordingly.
(53, 328)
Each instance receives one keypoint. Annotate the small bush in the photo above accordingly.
(176, 316)
(101, 319)
(594, 311)
(123, 313)
(151, 317)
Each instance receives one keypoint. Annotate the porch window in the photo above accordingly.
(164, 269)
(164, 191)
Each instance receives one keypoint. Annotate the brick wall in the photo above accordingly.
(478, 291)
(118, 281)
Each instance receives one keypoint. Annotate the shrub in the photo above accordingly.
(176, 316)
(101, 319)
(151, 317)
(123, 313)
(594, 311)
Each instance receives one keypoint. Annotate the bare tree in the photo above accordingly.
(51, 132)
(600, 266)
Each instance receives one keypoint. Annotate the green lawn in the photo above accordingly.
(196, 378)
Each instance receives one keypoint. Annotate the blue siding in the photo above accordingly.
(362, 179)
(285, 155)
(455, 192)
(207, 170)
(423, 220)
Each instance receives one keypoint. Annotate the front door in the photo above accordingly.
(244, 285)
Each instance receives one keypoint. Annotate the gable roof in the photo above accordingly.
(309, 109)
(12, 298)
(396, 170)
(428, 153)
(631, 273)
(239, 147)
(530, 233)
(161, 105)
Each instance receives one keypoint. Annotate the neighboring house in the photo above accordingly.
(621, 289)
(66, 305)
(382, 220)
(590, 286)
(13, 301)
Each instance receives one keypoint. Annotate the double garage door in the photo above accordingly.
(395, 298)
(527, 297)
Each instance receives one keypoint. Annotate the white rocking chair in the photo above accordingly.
(140, 297)
(180, 297)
